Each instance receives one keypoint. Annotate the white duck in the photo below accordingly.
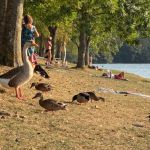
(19, 76)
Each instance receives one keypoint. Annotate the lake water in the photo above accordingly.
(139, 69)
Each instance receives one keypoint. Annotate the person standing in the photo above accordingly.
(29, 32)
(48, 54)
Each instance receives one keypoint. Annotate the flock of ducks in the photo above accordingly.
(17, 77)
(53, 105)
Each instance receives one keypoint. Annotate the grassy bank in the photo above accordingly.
(119, 123)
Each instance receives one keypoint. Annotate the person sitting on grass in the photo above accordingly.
(120, 76)
(109, 74)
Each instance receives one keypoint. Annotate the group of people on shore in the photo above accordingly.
(107, 74)
(29, 33)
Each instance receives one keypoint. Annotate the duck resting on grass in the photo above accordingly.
(44, 87)
(84, 97)
(49, 104)
(38, 68)
(19, 76)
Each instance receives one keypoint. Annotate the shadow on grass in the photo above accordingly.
(147, 81)
(2, 91)
(72, 103)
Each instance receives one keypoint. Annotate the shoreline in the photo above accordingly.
(137, 69)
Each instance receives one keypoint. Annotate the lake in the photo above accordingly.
(139, 69)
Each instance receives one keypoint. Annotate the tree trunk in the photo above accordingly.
(58, 52)
(41, 47)
(12, 37)
(3, 7)
(87, 51)
(52, 30)
(81, 50)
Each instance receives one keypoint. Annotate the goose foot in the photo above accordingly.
(19, 93)
(20, 98)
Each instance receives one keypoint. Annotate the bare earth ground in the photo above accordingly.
(119, 123)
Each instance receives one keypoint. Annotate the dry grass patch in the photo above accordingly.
(96, 125)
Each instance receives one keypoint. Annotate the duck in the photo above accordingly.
(38, 68)
(49, 104)
(84, 97)
(44, 87)
(94, 97)
(81, 97)
(17, 77)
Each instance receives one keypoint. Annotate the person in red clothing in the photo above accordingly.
(119, 76)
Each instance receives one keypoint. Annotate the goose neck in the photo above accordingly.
(25, 56)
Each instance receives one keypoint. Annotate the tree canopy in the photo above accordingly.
(91, 26)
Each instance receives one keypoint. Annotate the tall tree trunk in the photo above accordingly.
(81, 50)
(87, 51)
(3, 7)
(41, 47)
(52, 30)
(58, 46)
(12, 36)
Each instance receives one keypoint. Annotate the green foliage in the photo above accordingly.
(107, 24)
(134, 54)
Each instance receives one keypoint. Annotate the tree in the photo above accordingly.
(3, 7)
(51, 12)
(98, 24)
(11, 43)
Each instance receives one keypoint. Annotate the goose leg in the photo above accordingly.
(17, 92)
(20, 93)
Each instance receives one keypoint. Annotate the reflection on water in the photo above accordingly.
(139, 69)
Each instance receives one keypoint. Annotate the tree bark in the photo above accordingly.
(3, 7)
(52, 30)
(81, 50)
(87, 51)
(58, 52)
(41, 47)
(12, 36)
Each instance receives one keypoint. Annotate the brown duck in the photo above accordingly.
(44, 87)
(81, 97)
(94, 97)
(84, 97)
(50, 104)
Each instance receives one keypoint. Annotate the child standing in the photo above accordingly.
(29, 32)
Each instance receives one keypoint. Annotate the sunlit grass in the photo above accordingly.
(97, 125)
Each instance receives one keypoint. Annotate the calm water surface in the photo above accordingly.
(139, 69)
